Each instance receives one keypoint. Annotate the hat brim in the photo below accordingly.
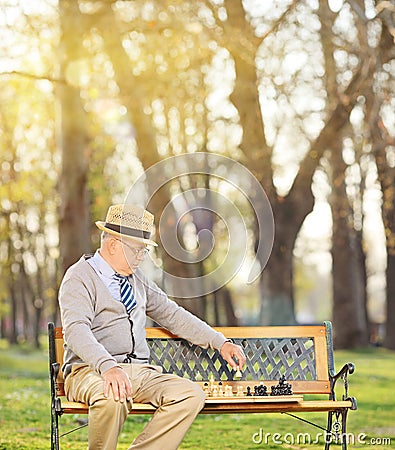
(102, 227)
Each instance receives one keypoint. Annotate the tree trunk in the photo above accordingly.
(386, 176)
(231, 318)
(13, 335)
(74, 223)
(389, 340)
(277, 305)
(277, 302)
(381, 140)
(348, 258)
(38, 305)
(349, 313)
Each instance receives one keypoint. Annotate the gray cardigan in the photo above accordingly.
(97, 329)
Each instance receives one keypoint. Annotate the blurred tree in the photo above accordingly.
(290, 209)
(379, 108)
(27, 224)
(349, 271)
(161, 121)
(277, 281)
(138, 98)
(349, 287)
(74, 217)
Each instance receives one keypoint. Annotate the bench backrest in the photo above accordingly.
(303, 354)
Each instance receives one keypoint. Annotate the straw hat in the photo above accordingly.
(129, 221)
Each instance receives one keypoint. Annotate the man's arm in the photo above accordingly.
(184, 324)
(77, 315)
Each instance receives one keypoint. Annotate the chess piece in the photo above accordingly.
(249, 392)
(214, 391)
(238, 373)
(261, 390)
(228, 391)
(211, 384)
(282, 388)
(240, 392)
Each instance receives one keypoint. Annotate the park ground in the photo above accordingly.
(25, 411)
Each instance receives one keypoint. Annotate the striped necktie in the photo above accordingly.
(126, 290)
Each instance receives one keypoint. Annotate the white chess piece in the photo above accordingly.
(238, 373)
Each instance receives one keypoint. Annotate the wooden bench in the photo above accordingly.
(302, 354)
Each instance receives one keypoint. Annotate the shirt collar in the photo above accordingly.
(102, 265)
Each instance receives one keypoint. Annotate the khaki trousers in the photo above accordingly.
(178, 402)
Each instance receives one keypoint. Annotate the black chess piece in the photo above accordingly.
(248, 392)
(282, 388)
(260, 390)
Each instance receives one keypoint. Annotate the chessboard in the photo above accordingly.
(222, 392)
(257, 399)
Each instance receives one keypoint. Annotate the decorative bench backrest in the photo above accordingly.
(303, 354)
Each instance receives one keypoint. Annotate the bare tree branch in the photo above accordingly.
(35, 77)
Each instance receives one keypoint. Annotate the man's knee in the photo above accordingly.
(196, 397)
(109, 407)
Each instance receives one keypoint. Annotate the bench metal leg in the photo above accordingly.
(337, 430)
(54, 367)
(54, 430)
(344, 429)
(328, 434)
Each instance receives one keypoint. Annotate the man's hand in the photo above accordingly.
(117, 380)
(230, 352)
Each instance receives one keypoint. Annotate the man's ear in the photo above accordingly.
(113, 243)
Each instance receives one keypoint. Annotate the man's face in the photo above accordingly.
(129, 255)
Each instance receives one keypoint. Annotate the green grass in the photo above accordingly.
(24, 411)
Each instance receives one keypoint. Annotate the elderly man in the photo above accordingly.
(104, 300)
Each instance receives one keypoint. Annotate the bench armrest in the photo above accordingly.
(348, 368)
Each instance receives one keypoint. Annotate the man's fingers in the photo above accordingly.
(118, 381)
(238, 359)
(234, 355)
(122, 390)
(106, 388)
(129, 390)
(241, 358)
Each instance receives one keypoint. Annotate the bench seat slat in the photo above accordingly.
(81, 408)
(213, 407)
(308, 406)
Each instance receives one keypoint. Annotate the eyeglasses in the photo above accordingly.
(135, 251)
